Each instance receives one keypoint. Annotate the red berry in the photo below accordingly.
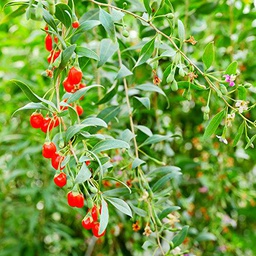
(64, 107)
(56, 39)
(53, 56)
(75, 76)
(87, 223)
(56, 121)
(60, 180)
(71, 199)
(87, 162)
(49, 149)
(47, 124)
(95, 230)
(81, 86)
(46, 28)
(75, 199)
(69, 87)
(94, 213)
(36, 120)
(80, 201)
(56, 161)
(48, 42)
(75, 24)
(79, 110)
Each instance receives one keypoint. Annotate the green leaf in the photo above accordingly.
(64, 14)
(31, 105)
(109, 144)
(78, 94)
(137, 162)
(117, 15)
(213, 124)
(208, 55)
(109, 95)
(119, 181)
(144, 129)
(107, 50)
(167, 211)
(66, 55)
(205, 236)
(239, 134)
(107, 22)
(147, 6)
(146, 52)
(138, 211)
(90, 121)
(249, 144)
(73, 114)
(86, 52)
(150, 88)
(160, 171)
(181, 31)
(144, 101)
(241, 93)
(180, 237)
(123, 72)
(154, 139)
(186, 85)
(83, 175)
(121, 205)
(104, 216)
(30, 94)
(48, 18)
(231, 69)
(127, 135)
(161, 182)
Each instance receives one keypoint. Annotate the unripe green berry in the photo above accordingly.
(170, 15)
(125, 33)
(223, 89)
(174, 86)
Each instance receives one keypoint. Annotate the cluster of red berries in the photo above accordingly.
(72, 82)
(37, 121)
(54, 54)
(50, 151)
(90, 221)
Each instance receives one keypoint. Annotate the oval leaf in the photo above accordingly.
(180, 237)
(109, 144)
(64, 14)
(83, 175)
(213, 124)
(104, 216)
(121, 205)
(208, 55)
(107, 22)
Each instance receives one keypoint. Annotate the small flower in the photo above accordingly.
(136, 226)
(172, 219)
(191, 40)
(230, 79)
(230, 119)
(144, 196)
(147, 230)
(192, 76)
(222, 139)
(203, 190)
(176, 251)
(242, 106)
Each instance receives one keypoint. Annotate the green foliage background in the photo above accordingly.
(34, 216)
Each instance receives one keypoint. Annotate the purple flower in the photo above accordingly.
(230, 79)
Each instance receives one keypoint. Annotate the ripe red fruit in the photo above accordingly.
(75, 24)
(75, 199)
(68, 86)
(53, 56)
(94, 213)
(87, 162)
(47, 124)
(49, 149)
(56, 39)
(87, 223)
(56, 161)
(75, 76)
(56, 121)
(48, 42)
(95, 230)
(36, 120)
(60, 180)
(79, 110)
